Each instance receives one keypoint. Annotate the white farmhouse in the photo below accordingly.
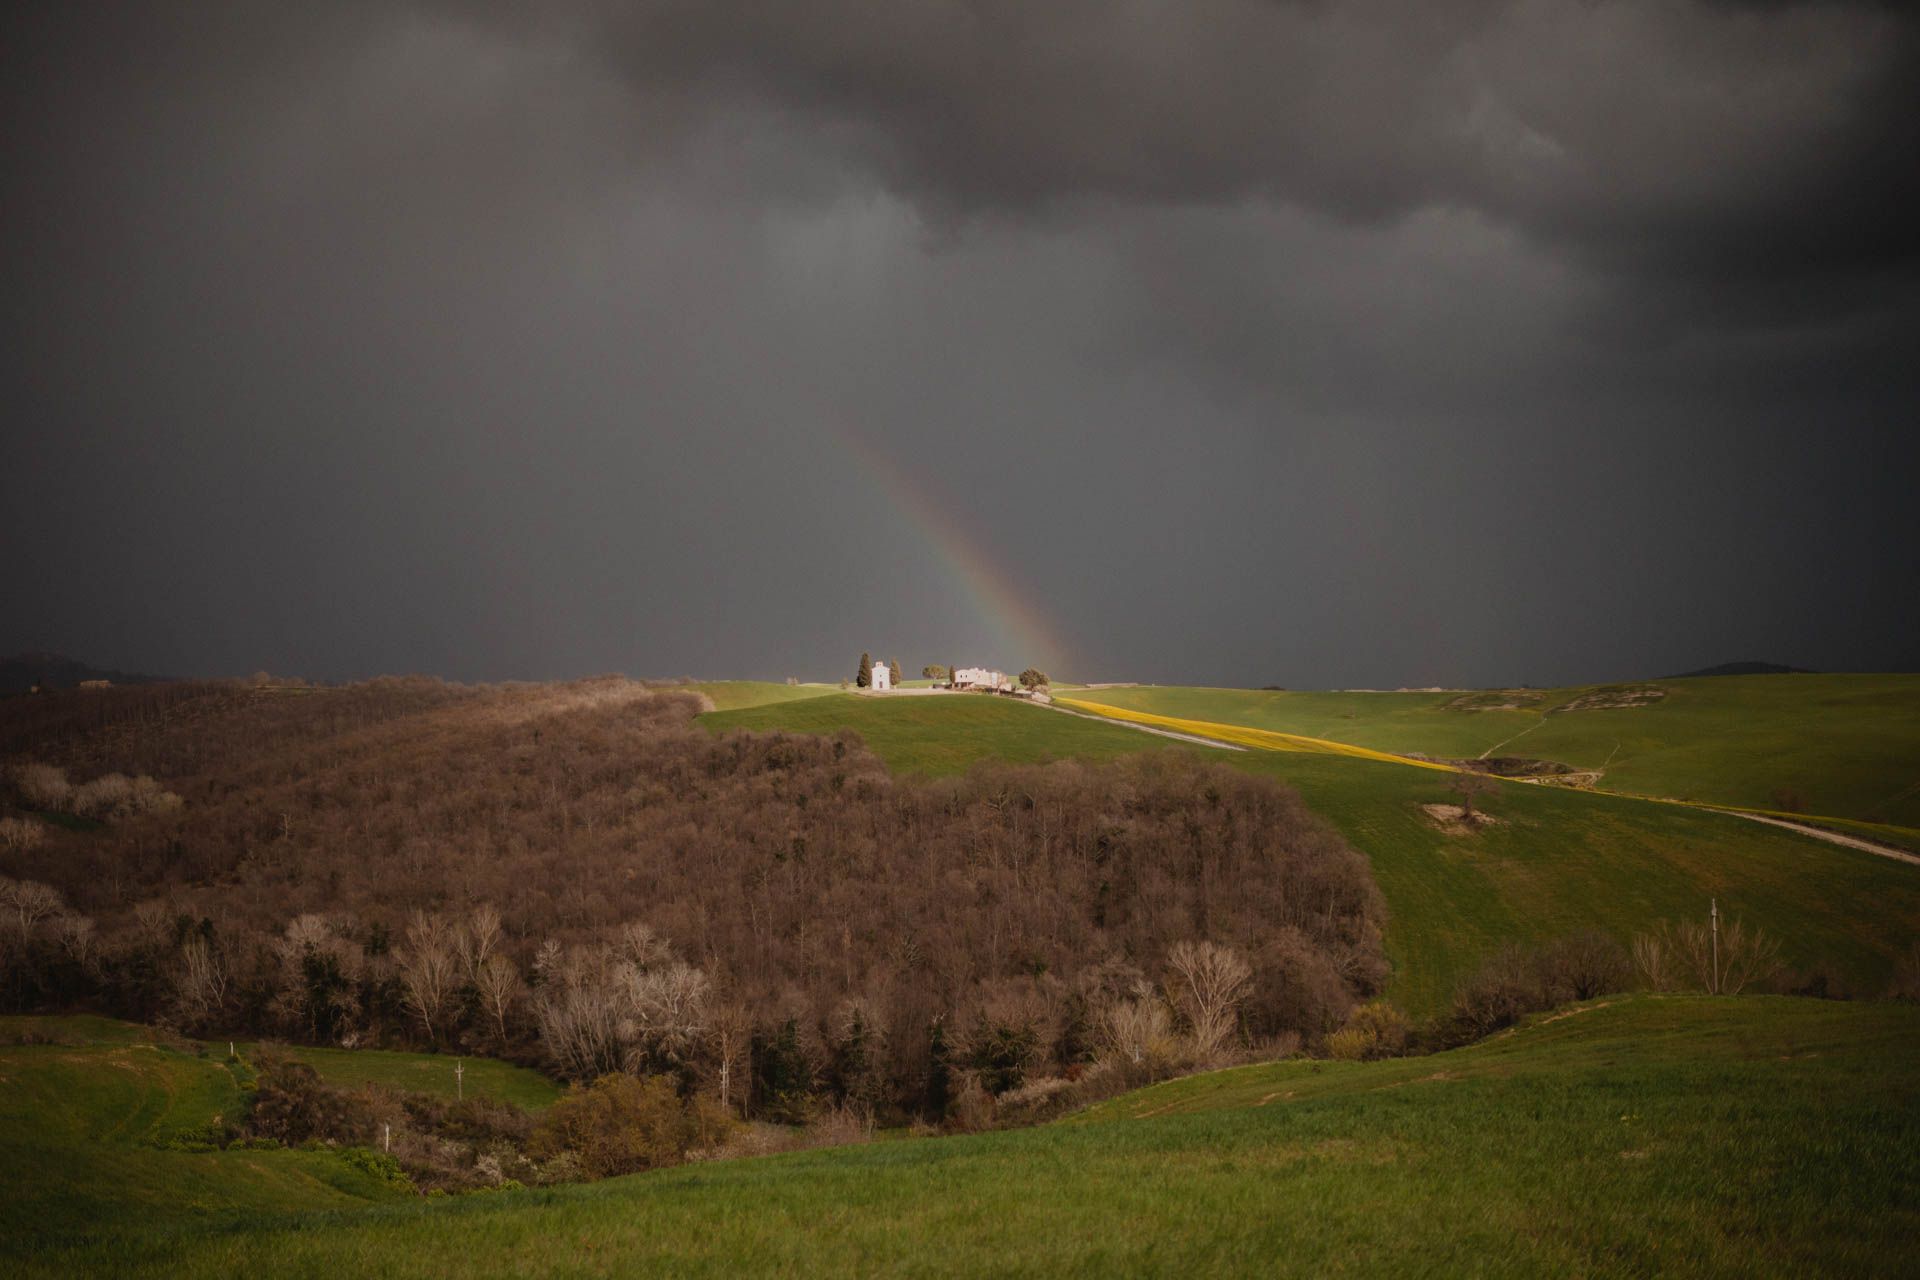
(882, 678)
(980, 678)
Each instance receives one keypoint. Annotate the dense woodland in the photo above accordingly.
(582, 877)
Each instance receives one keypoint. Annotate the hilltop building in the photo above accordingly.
(882, 677)
(981, 678)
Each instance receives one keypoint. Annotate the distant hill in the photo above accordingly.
(1743, 669)
(22, 671)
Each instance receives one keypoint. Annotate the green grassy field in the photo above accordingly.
(1644, 1135)
(1847, 746)
(427, 1073)
(1558, 860)
(729, 695)
(84, 1124)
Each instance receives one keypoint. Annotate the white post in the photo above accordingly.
(386, 1136)
(460, 1080)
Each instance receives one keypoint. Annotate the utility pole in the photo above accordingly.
(386, 1136)
(460, 1080)
(1713, 914)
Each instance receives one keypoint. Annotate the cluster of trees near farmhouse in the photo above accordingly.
(581, 877)
(1031, 678)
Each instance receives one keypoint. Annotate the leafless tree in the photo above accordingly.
(500, 988)
(1739, 958)
(478, 941)
(429, 967)
(1653, 960)
(1136, 1028)
(43, 786)
(200, 980)
(30, 902)
(730, 1030)
(21, 834)
(1470, 786)
(1207, 984)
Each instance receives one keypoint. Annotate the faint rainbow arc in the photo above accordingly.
(989, 586)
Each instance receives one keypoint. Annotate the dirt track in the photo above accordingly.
(1831, 837)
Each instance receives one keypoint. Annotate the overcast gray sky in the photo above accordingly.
(1221, 341)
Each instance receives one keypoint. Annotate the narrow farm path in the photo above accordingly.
(1831, 837)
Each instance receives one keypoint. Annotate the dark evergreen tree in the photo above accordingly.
(865, 679)
(938, 1095)
(782, 1076)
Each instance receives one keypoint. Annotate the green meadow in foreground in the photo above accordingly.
(97, 1122)
(1845, 746)
(1688, 1135)
(1556, 861)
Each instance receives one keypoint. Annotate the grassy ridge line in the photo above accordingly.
(1689, 1136)
(1845, 745)
(1265, 739)
(1271, 740)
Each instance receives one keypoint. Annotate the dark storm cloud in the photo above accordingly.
(1325, 342)
(1722, 140)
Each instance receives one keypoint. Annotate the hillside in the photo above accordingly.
(580, 876)
(1559, 860)
(1712, 1137)
(1844, 746)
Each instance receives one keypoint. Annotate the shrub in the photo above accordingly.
(1684, 955)
(1581, 966)
(1505, 989)
(292, 1105)
(1375, 1030)
(624, 1124)
(383, 1167)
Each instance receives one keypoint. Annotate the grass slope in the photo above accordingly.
(1847, 745)
(731, 695)
(1709, 1137)
(1558, 861)
(81, 1126)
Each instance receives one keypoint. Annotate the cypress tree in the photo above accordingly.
(939, 1093)
(865, 679)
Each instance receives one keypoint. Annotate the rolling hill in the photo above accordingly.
(1843, 746)
(1559, 860)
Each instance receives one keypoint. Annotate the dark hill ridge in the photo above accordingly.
(22, 671)
(1743, 669)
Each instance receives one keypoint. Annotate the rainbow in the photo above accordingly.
(997, 594)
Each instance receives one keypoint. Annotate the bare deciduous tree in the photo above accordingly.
(21, 833)
(500, 988)
(1470, 786)
(29, 902)
(1688, 953)
(479, 940)
(429, 967)
(1136, 1028)
(1207, 984)
(200, 980)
